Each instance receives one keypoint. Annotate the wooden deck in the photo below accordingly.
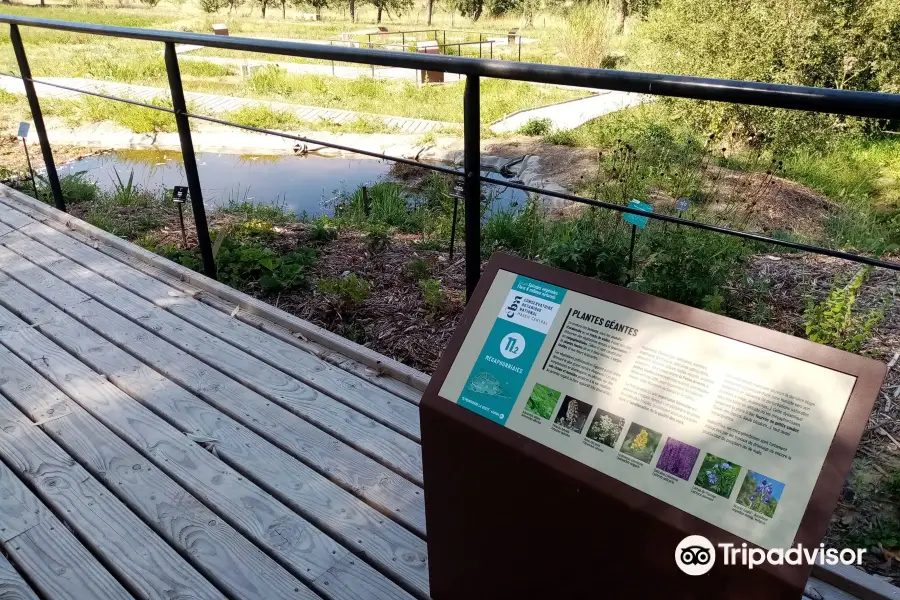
(157, 443)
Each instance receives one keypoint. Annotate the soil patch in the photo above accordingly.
(15, 166)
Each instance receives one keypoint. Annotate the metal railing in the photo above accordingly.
(851, 103)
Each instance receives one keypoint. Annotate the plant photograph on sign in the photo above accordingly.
(542, 401)
(640, 442)
(605, 428)
(760, 493)
(718, 475)
(678, 458)
(573, 413)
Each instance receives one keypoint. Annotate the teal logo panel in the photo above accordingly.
(511, 348)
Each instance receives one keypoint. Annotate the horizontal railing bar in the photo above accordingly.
(299, 138)
(861, 104)
(97, 94)
(875, 262)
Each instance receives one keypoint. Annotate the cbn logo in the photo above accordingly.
(512, 345)
(513, 307)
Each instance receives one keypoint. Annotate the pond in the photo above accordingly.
(303, 184)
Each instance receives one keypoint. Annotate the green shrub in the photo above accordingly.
(322, 230)
(436, 300)
(76, 188)
(264, 212)
(834, 322)
(263, 117)
(536, 127)
(827, 43)
(417, 269)
(347, 293)
(561, 138)
(690, 266)
(378, 239)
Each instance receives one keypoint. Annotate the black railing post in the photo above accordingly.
(190, 161)
(38, 118)
(472, 168)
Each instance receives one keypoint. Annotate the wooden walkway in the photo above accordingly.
(157, 443)
(155, 446)
(213, 104)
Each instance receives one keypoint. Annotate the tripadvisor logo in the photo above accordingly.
(696, 555)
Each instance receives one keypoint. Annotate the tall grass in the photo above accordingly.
(590, 28)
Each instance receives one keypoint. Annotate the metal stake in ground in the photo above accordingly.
(23, 133)
(631, 251)
(457, 195)
(179, 195)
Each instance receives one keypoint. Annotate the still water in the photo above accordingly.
(303, 184)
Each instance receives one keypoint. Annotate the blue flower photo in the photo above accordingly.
(717, 475)
(760, 493)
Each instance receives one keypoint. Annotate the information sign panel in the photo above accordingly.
(713, 426)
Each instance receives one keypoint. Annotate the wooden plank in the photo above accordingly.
(12, 586)
(272, 525)
(131, 549)
(59, 567)
(394, 549)
(374, 439)
(387, 544)
(227, 557)
(393, 494)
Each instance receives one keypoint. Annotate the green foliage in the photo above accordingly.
(211, 6)
(435, 298)
(76, 188)
(417, 269)
(845, 44)
(244, 264)
(125, 193)
(542, 401)
(322, 230)
(90, 109)
(590, 27)
(536, 127)
(264, 117)
(691, 266)
(249, 211)
(834, 322)
(388, 206)
(593, 244)
(378, 239)
(348, 293)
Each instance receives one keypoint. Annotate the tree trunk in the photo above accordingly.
(353, 11)
(318, 12)
(283, 11)
(264, 9)
(428, 10)
(379, 13)
(621, 13)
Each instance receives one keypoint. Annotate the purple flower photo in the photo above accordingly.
(678, 459)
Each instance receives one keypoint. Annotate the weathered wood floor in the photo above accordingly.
(155, 446)
(155, 443)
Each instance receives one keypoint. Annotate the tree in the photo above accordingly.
(263, 4)
(429, 7)
(470, 8)
(353, 11)
(211, 6)
(398, 6)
